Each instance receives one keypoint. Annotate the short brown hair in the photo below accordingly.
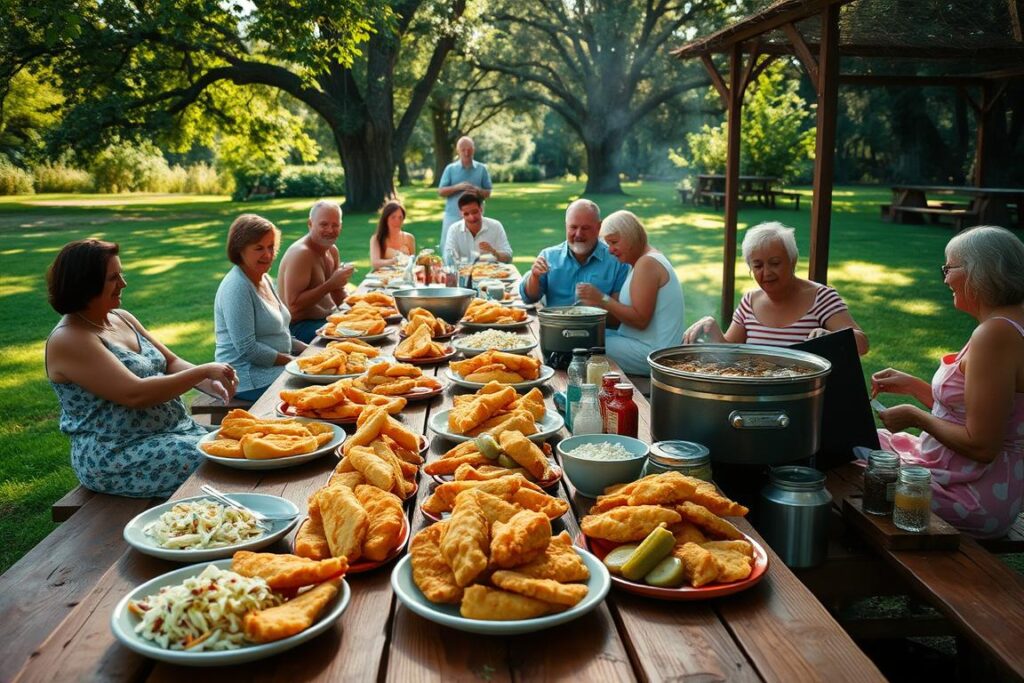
(78, 274)
(249, 229)
(470, 197)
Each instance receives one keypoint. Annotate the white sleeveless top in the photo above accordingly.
(667, 324)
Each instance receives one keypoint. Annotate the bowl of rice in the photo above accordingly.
(593, 462)
(474, 344)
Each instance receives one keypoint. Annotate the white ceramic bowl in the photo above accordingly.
(592, 477)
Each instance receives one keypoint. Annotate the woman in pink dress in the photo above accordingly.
(973, 438)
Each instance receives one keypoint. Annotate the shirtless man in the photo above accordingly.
(311, 277)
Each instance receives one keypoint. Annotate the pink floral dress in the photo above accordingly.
(983, 500)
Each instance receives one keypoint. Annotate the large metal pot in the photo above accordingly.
(564, 328)
(743, 420)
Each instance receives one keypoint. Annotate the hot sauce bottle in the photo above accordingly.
(623, 416)
(608, 382)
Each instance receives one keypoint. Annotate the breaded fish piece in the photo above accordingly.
(481, 602)
(282, 572)
(700, 567)
(548, 590)
(558, 563)
(386, 521)
(223, 448)
(732, 566)
(493, 507)
(350, 479)
(609, 501)
(526, 453)
(376, 471)
(538, 501)
(311, 541)
(402, 487)
(430, 572)
(521, 539)
(687, 532)
(665, 489)
(465, 417)
(713, 525)
(625, 524)
(483, 472)
(345, 521)
(443, 497)
(294, 616)
(741, 547)
(445, 465)
(466, 540)
(708, 496)
(371, 423)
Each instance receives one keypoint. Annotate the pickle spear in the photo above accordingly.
(652, 550)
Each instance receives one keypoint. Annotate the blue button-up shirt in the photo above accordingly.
(558, 285)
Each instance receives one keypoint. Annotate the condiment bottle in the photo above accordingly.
(608, 382)
(880, 482)
(686, 457)
(912, 505)
(577, 373)
(586, 418)
(622, 412)
(597, 366)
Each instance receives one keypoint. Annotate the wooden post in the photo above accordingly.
(825, 144)
(981, 112)
(732, 181)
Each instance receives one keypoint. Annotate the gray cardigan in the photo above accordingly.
(249, 332)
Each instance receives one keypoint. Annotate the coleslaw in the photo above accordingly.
(202, 524)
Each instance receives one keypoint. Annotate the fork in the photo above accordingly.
(261, 519)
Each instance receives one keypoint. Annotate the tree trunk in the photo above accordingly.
(369, 168)
(440, 112)
(403, 173)
(603, 164)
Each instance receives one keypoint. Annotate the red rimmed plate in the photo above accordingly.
(411, 495)
(441, 337)
(422, 393)
(285, 409)
(600, 548)
(551, 481)
(433, 517)
(449, 353)
(361, 566)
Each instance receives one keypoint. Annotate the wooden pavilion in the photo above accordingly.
(973, 46)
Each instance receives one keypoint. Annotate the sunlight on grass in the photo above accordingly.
(23, 364)
(869, 273)
(177, 333)
(917, 306)
(156, 266)
(21, 284)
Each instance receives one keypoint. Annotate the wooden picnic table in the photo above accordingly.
(984, 205)
(710, 188)
(776, 630)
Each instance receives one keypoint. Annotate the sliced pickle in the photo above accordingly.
(616, 558)
(506, 461)
(652, 550)
(488, 446)
(669, 573)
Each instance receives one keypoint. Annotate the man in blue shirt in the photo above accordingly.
(580, 258)
(459, 176)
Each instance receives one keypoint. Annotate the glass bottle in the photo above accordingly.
(597, 366)
(623, 415)
(577, 373)
(586, 418)
(880, 478)
(608, 382)
(912, 505)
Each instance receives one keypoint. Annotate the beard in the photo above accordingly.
(582, 248)
(325, 242)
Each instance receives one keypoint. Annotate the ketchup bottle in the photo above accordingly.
(608, 382)
(623, 416)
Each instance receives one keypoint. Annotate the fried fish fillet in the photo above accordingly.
(521, 539)
(708, 496)
(430, 572)
(699, 567)
(741, 547)
(493, 507)
(386, 521)
(294, 616)
(223, 448)
(531, 499)
(630, 523)
(687, 532)
(345, 521)
(466, 539)
(709, 522)
(376, 471)
(665, 489)
(269, 446)
(311, 541)
(370, 423)
(351, 479)
(548, 590)
(465, 417)
(482, 472)
(445, 465)
(732, 565)
(282, 572)
(526, 453)
(558, 563)
(481, 602)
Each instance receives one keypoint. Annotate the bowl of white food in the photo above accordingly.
(593, 462)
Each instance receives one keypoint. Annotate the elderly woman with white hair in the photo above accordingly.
(972, 439)
(787, 309)
(650, 304)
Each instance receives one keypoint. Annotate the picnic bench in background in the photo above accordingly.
(710, 190)
(977, 206)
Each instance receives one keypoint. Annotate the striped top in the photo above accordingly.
(827, 303)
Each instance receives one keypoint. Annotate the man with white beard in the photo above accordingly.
(311, 277)
(580, 258)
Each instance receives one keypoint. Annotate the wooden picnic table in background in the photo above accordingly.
(978, 205)
(710, 189)
(777, 630)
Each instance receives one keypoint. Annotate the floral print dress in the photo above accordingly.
(135, 452)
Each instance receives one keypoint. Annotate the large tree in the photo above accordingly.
(135, 65)
(603, 65)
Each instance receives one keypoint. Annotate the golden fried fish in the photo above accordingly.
(376, 471)
(558, 563)
(481, 602)
(345, 521)
(526, 453)
(732, 566)
(741, 547)
(548, 590)
(282, 572)
(431, 573)
(630, 523)
(386, 521)
(466, 539)
(294, 616)
(664, 489)
(709, 522)
(311, 541)
(522, 539)
(700, 567)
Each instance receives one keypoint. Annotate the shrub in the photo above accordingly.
(311, 181)
(253, 183)
(58, 176)
(203, 178)
(14, 180)
(128, 167)
(515, 172)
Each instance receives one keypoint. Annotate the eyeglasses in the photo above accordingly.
(946, 269)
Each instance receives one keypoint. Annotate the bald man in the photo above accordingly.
(463, 174)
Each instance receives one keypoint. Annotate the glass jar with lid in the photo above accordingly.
(912, 504)
(880, 477)
(586, 417)
(686, 457)
(597, 366)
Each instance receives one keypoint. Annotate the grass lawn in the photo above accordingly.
(172, 248)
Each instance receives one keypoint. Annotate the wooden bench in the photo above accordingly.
(934, 214)
(795, 196)
(208, 405)
(72, 501)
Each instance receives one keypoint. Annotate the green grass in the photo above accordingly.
(173, 254)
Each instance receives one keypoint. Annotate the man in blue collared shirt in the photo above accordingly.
(580, 258)
(462, 175)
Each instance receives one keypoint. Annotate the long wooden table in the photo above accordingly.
(775, 631)
(985, 205)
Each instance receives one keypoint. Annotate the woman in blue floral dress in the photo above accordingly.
(120, 388)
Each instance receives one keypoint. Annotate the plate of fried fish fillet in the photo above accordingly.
(249, 442)
(496, 569)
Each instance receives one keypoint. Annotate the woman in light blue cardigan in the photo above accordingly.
(249, 319)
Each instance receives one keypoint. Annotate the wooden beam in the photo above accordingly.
(1014, 6)
(732, 182)
(825, 143)
(768, 59)
(910, 81)
(802, 51)
(982, 112)
(748, 70)
(716, 79)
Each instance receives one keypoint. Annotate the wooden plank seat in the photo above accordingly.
(1012, 542)
(907, 214)
(70, 503)
(773, 194)
(208, 405)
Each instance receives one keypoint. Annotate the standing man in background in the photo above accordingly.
(463, 174)
(311, 277)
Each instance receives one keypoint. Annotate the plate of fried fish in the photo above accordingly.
(542, 429)
(235, 610)
(246, 441)
(666, 536)
(488, 457)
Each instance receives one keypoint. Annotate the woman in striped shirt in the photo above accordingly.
(787, 309)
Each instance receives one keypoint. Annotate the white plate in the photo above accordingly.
(548, 426)
(363, 337)
(469, 352)
(276, 463)
(496, 326)
(448, 615)
(292, 368)
(122, 623)
(135, 534)
(546, 374)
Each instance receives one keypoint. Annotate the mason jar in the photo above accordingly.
(880, 478)
(686, 457)
(912, 505)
